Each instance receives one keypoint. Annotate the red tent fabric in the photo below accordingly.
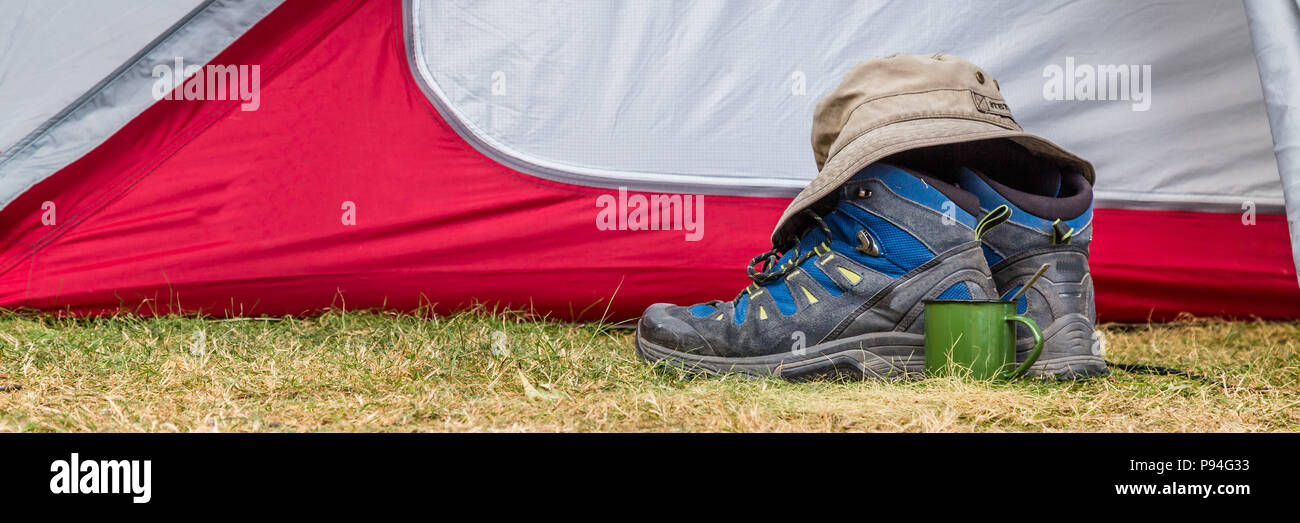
(196, 206)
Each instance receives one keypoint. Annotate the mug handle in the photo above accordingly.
(1038, 346)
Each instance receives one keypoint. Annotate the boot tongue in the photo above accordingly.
(840, 221)
(837, 220)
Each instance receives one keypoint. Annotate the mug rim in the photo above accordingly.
(927, 302)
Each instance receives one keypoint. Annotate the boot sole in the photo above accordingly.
(1071, 350)
(888, 355)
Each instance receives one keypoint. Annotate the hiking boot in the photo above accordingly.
(1050, 222)
(846, 299)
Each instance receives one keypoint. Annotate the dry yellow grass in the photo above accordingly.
(387, 372)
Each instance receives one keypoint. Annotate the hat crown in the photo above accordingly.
(901, 87)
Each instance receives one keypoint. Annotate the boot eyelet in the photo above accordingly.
(866, 245)
(864, 193)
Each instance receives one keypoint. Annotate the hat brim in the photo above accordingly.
(884, 141)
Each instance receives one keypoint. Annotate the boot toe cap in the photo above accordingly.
(661, 326)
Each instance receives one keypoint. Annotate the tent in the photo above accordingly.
(280, 157)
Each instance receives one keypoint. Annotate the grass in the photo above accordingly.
(398, 372)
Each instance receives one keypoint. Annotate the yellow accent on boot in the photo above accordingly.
(811, 299)
(762, 313)
(852, 276)
(719, 318)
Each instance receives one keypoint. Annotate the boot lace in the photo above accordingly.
(770, 270)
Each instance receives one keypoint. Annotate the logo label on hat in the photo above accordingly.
(988, 105)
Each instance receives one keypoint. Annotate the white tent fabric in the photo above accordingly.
(1275, 29)
(717, 97)
(97, 100)
(53, 51)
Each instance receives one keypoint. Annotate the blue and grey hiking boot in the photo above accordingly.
(1049, 222)
(846, 299)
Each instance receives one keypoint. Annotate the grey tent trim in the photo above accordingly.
(1275, 31)
(123, 94)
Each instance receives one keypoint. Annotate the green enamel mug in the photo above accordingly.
(976, 339)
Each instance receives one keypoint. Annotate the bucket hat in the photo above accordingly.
(896, 103)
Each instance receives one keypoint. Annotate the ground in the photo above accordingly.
(366, 371)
